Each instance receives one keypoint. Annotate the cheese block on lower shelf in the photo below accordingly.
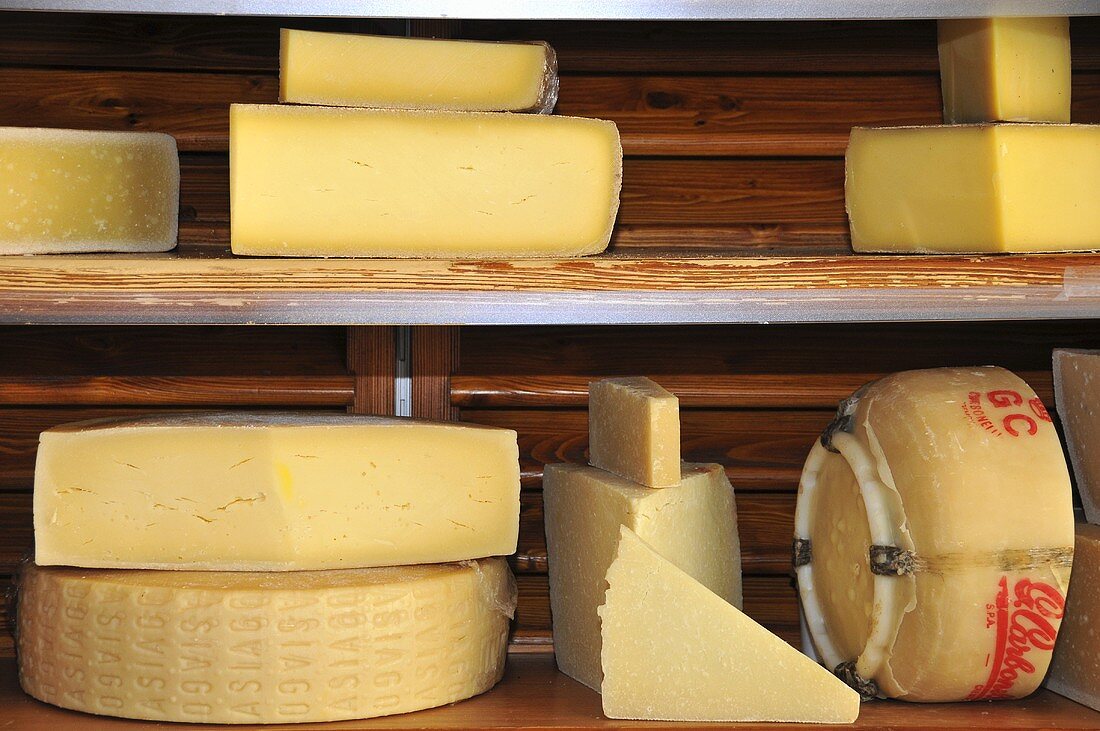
(693, 524)
(1075, 667)
(263, 647)
(272, 491)
(673, 650)
(337, 181)
(634, 430)
(1077, 397)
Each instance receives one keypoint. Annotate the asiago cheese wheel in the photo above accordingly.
(934, 537)
(241, 647)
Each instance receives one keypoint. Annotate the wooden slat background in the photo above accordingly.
(734, 135)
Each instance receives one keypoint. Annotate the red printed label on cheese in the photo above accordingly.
(987, 411)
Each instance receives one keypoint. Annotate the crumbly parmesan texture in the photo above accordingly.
(1075, 668)
(1077, 396)
(634, 430)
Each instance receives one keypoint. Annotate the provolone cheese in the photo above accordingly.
(673, 650)
(323, 181)
(634, 430)
(980, 188)
(68, 190)
(1005, 69)
(273, 491)
(694, 525)
(1075, 668)
(1077, 396)
(345, 69)
(263, 648)
(933, 515)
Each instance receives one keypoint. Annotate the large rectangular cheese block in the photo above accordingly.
(694, 525)
(634, 430)
(979, 188)
(1075, 667)
(1005, 69)
(214, 647)
(344, 69)
(68, 191)
(1077, 398)
(321, 181)
(673, 650)
(273, 491)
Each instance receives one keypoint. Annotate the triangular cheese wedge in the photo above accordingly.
(675, 651)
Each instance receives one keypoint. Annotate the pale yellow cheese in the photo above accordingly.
(345, 69)
(634, 430)
(273, 491)
(68, 191)
(1005, 69)
(320, 181)
(1075, 667)
(981, 188)
(675, 651)
(1077, 396)
(260, 647)
(960, 473)
(694, 525)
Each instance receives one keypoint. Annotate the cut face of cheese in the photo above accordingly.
(216, 647)
(1077, 396)
(1005, 69)
(673, 650)
(694, 525)
(273, 491)
(75, 191)
(634, 430)
(982, 188)
(318, 181)
(1075, 668)
(933, 516)
(343, 69)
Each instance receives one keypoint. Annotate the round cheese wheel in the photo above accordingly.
(241, 647)
(934, 537)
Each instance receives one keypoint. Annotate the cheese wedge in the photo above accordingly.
(1075, 667)
(70, 191)
(1005, 69)
(675, 651)
(1077, 397)
(319, 181)
(273, 491)
(210, 647)
(634, 430)
(344, 69)
(982, 188)
(694, 525)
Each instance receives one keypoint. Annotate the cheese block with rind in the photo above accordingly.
(634, 430)
(1077, 398)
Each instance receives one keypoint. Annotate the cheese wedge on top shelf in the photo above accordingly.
(344, 69)
(273, 491)
(675, 651)
(323, 181)
(634, 430)
(1077, 398)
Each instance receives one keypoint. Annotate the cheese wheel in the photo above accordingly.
(241, 647)
(934, 537)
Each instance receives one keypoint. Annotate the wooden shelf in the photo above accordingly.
(533, 695)
(166, 289)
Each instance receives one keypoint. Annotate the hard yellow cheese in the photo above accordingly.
(982, 188)
(674, 650)
(344, 69)
(694, 525)
(634, 430)
(75, 191)
(1077, 396)
(271, 491)
(1005, 69)
(318, 181)
(263, 648)
(1075, 667)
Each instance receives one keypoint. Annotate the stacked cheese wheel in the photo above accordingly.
(262, 568)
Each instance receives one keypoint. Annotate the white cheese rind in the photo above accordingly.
(209, 647)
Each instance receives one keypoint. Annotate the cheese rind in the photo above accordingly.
(70, 191)
(675, 651)
(634, 430)
(1005, 69)
(1077, 397)
(273, 491)
(978, 188)
(260, 647)
(323, 181)
(694, 525)
(1075, 667)
(344, 69)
